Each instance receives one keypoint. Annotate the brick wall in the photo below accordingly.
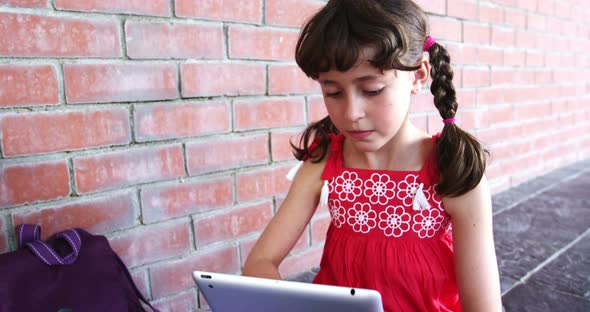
(164, 124)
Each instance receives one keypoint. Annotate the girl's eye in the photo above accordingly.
(373, 93)
(332, 94)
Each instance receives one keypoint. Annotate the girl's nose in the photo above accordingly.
(354, 109)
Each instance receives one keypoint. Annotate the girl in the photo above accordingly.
(410, 213)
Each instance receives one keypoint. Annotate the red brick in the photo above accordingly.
(33, 182)
(280, 144)
(443, 28)
(140, 279)
(534, 59)
(262, 183)
(466, 9)
(161, 202)
(290, 12)
(4, 232)
(536, 22)
(507, 76)
(474, 119)
(167, 121)
(529, 5)
(232, 224)
(296, 264)
(433, 6)
(88, 83)
(184, 302)
(422, 102)
(462, 54)
(466, 98)
(563, 11)
(558, 60)
(46, 132)
(268, 113)
(316, 109)
(515, 18)
(25, 3)
(225, 10)
(491, 56)
(28, 85)
(199, 80)
(529, 111)
(457, 80)
(289, 79)
(514, 57)
(302, 243)
(249, 42)
(319, 228)
(489, 96)
(108, 213)
(212, 155)
(476, 77)
(124, 168)
(24, 35)
(152, 7)
(510, 3)
(503, 37)
(526, 40)
(546, 7)
(177, 41)
(476, 33)
(491, 13)
(500, 114)
(137, 247)
(246, 246)
(421, 122)
(175, 276)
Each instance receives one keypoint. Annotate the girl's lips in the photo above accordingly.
(360, 134)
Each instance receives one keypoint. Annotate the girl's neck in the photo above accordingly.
(406, 151)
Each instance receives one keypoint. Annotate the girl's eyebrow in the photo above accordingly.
(358, 79)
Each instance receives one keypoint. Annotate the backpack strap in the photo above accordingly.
(26, 233)
(29, 235)
(135, 289)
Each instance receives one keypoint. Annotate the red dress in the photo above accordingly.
(378, 240)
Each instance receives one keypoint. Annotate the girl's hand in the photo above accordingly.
(289, 222)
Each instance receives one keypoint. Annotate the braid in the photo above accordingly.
(442, 82)
(461, 159)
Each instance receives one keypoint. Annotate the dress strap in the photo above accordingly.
(429, 173)
(334, 163)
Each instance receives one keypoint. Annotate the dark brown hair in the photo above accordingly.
(333, 39)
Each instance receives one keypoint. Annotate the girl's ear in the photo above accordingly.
(422, 74)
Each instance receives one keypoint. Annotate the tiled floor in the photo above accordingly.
(542, 233)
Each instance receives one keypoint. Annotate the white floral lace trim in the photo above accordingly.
(395, 220)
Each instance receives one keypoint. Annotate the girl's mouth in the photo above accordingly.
(357, 134)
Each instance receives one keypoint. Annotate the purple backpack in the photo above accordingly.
(72, 271)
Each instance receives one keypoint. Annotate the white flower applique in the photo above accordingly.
(394, 221)
(427, 222)
(380, 189)
(407, 190)
(337, 212)
(348, 186)
(362, 218)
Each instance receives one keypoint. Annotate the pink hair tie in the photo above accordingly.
(449, 120)
(428, 43)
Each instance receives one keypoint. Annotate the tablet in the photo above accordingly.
(235, 293)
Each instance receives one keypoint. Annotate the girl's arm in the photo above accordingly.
(476, 268)
(286, 226)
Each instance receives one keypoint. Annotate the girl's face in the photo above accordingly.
(367, 105)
